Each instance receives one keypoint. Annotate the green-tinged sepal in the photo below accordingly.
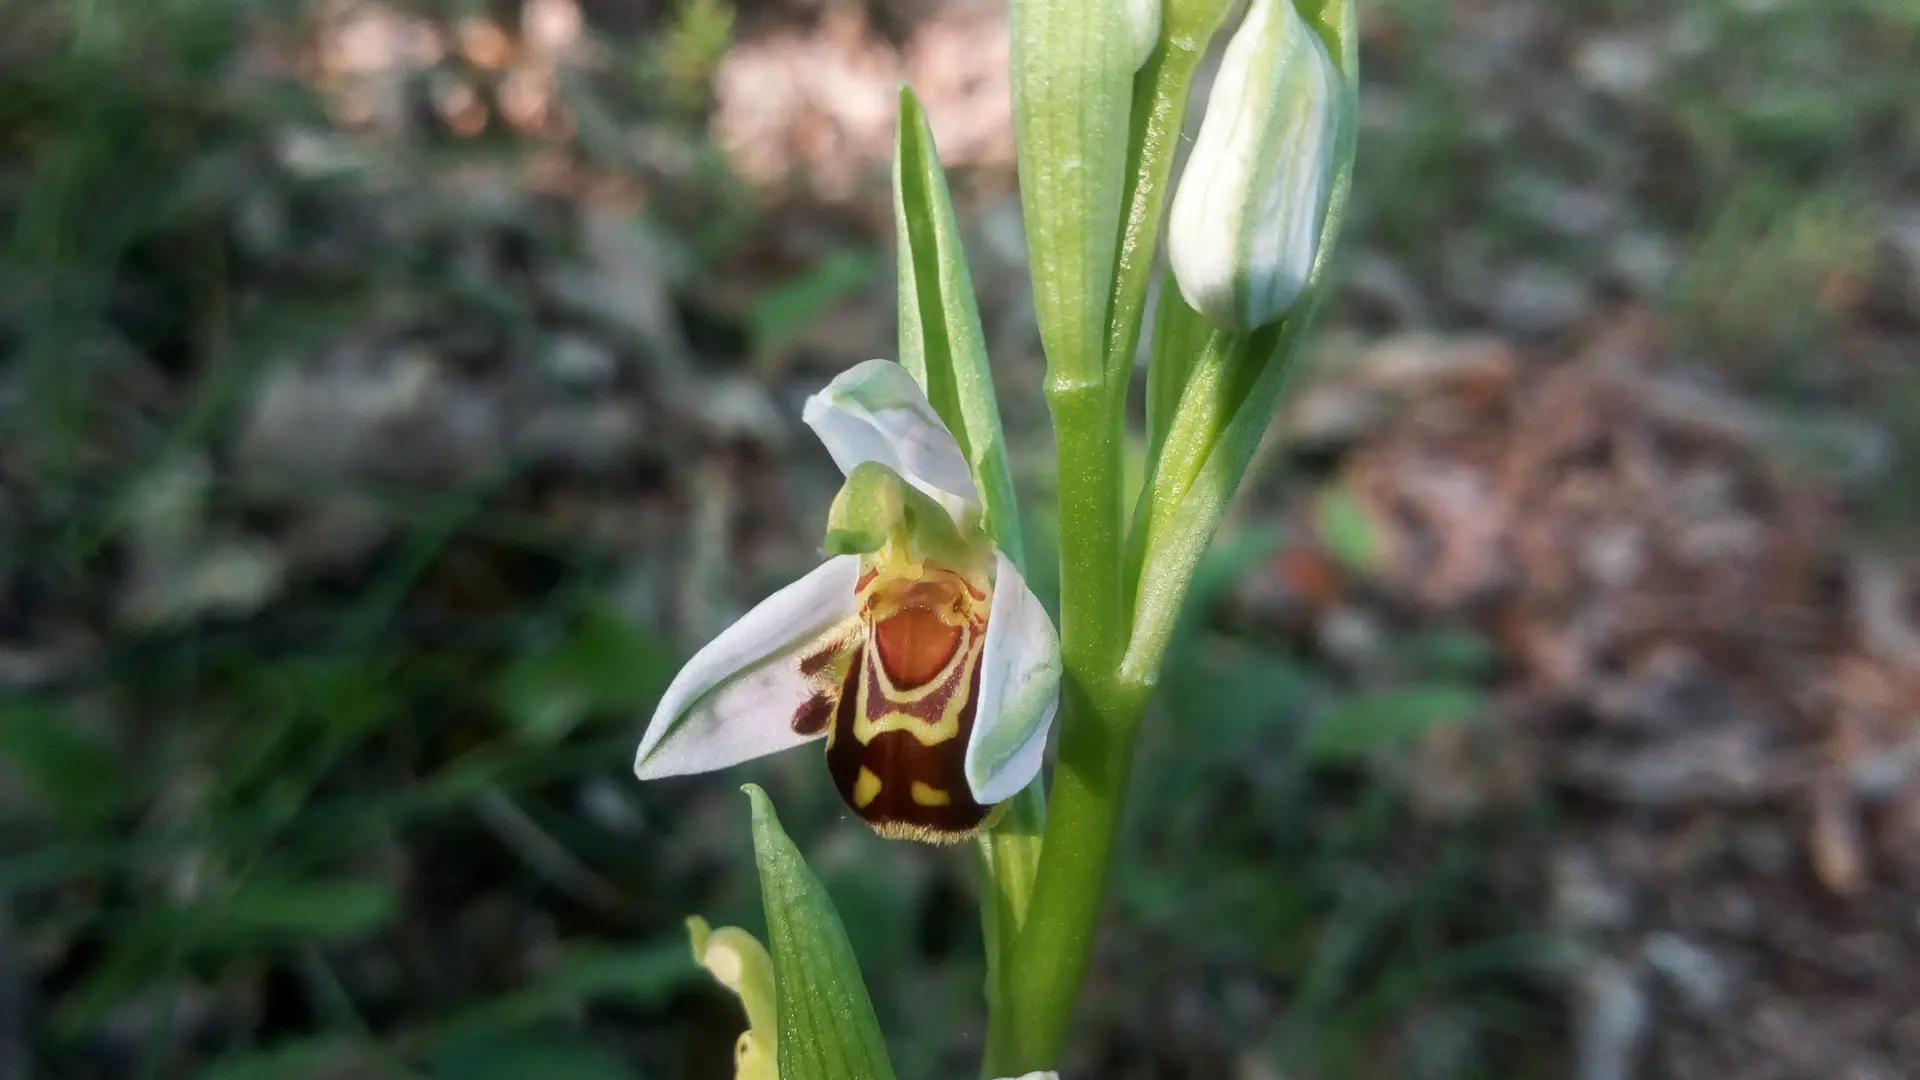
(828, 1030)
(1073, 65)
(876, 508)
(941, 342)
(741, 964)
(1244, 234)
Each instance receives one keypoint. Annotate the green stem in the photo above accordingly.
(1009, 860)
(1159, 108)
(1087, 426)
(1041, 979)
(1099, 724)
(1039, 982)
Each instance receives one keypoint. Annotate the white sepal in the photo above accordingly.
(875, 412)
(735, 699)
(1249, 207)
(1019, 690)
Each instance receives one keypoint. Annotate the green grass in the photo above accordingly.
(371, 799)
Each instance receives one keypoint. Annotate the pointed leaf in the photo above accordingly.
(827, 1027)
(941, 342)
(1157, 130)
(1073, 65)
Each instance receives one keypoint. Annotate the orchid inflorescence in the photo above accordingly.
(916, 651)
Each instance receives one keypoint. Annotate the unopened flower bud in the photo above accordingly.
(1143, 18)
(1249, 208)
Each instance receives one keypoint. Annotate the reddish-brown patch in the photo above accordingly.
(822, 658)
(899, 759)
(812, 716)
(914, 646)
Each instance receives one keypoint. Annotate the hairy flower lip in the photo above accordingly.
(772, 679)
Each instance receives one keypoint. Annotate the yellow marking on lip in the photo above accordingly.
(926, 794)
(867, 728)
(866, 788)
(885, 711)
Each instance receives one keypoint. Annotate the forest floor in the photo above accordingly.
(391, 396)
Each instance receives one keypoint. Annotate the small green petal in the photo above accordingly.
(875, 507)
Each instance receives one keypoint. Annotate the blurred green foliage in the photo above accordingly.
(357, 804)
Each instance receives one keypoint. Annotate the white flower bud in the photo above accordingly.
(1143, 18)
(1250, 205)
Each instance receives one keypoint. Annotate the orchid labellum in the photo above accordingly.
(916, 650)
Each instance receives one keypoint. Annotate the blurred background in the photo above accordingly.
(393, 393)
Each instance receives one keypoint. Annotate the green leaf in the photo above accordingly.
(331, 910)
(787, 308)
(531, 1057)
(1367, 721)
(941, 342)
(605, 665)
(1451, 654)
(60, 763)
(642, 975)
(298, 1058)
(1072, 97)
(827, 1027)
(1348, 529)
(1009, 858)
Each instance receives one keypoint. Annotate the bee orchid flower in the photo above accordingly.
(916, 650)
